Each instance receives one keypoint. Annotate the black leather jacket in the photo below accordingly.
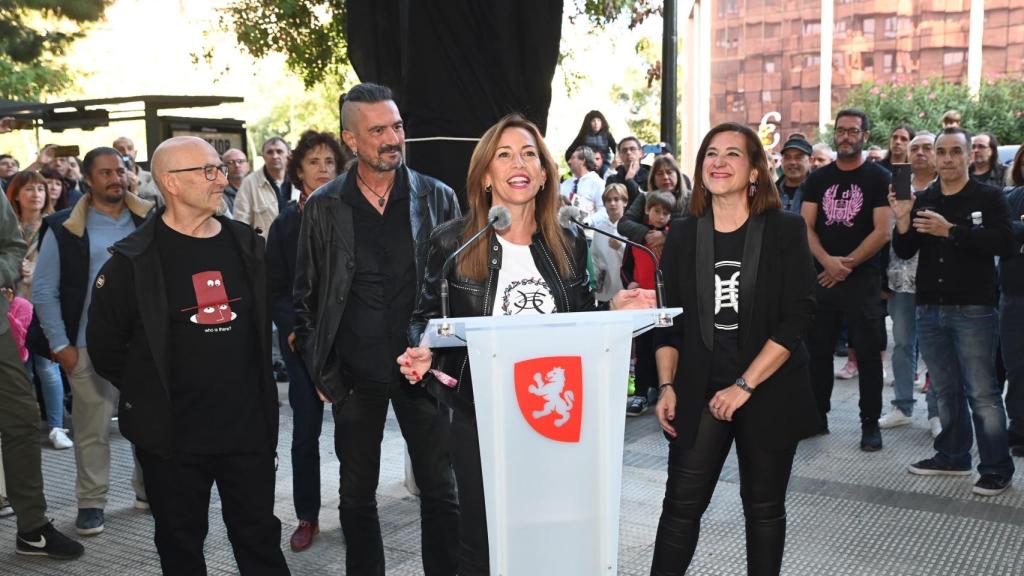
(471, 298)
(326, 261)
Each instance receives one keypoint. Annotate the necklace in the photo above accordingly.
(381, 198)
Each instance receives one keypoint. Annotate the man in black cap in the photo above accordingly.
(796, 164)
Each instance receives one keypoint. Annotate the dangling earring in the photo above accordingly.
(488, 189)
(753, 189)
(541, 188)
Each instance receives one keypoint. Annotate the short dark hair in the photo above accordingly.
(957, 130)
(663, 200)
(365, 93)
(587, 154)
(275, 140)
(639, 144)
(92, 155)
(6, 156)
(856, 113)
(309, 140)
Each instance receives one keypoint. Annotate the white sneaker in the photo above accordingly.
(59, 439)
(894, 418)
(848, 371)
(935, 426)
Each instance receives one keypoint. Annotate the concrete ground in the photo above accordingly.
(850, 513)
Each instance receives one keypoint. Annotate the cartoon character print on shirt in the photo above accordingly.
(842, 208)
(727, 295)
(528, 295)
(213, 307)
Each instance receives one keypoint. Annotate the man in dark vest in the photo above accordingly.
(74, 247)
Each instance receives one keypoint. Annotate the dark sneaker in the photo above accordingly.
(5, 507)
(931, 467)
(89, 521)
(47, 541)
(636, 406)
(991, 485)
(870, 437)
(1016, 444)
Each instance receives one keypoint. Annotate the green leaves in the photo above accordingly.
(33, 34)
(999, 108)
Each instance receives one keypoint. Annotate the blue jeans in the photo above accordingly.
(1011, 333)
(959, 345)
(903, 311)
(52, 387)
(307, 422)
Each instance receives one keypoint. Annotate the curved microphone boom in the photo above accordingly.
(570, 216)
(499, 218)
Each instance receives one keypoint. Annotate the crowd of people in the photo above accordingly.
(175, 297)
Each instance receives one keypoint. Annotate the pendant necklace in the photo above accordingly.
(381, 198)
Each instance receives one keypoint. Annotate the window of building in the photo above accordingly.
(772, 29)
(754, 31)
(811, 60)
(841, 27)
(720, 103)
(766, 96)
(888, 62)
(868, 62)
(891, 26)
(728, 7)
(812, 28)
(839, 62)
(773, 64)
(953, 58)
(868, 26)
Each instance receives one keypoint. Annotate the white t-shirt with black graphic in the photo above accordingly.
(521, 289)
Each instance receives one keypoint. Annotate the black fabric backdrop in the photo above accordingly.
(456, 67)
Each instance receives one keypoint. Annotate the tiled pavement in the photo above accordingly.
(850, 513)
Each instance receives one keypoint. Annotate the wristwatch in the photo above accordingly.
(742, 384)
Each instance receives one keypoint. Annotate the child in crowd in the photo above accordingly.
(638, 272)
(607, 252)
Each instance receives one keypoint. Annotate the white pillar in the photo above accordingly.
(974, 47)
(696, 78)
(825, 70)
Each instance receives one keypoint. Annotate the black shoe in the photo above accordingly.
(636, 406)
(991, 485)
(280, 375)
(870, 437)
(1017, 450)
(931, 467)
(47, 541)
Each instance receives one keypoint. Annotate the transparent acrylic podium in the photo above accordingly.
(550, 394)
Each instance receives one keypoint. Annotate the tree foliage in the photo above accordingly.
(999, 108)
(34, 34)
(310, 33)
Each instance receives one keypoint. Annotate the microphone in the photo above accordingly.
(499, 218)
(569, 216)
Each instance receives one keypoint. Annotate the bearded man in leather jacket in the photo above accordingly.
(361, 257)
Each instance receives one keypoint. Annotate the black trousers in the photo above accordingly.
(692, 476)
(178, 489)
(646, 374)
(865, 338)
(358, 430)
(473, 550)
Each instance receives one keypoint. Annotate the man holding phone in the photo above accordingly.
(958, 226)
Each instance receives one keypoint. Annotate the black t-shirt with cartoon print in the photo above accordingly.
(213, 348)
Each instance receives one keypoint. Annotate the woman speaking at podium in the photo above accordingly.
(735, 366)
(531, 265)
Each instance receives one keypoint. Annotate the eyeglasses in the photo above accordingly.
(210, 171)
(855, 132)
(236, 162)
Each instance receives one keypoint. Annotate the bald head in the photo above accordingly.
(180, 152)
(125, 146)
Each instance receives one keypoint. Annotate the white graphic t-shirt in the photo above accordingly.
(521, 289)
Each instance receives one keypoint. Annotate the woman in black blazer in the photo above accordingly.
(734, 366)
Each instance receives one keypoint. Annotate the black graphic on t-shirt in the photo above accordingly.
(526, 295)
(727, 294)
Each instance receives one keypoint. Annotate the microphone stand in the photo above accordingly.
(664, 320)
(445, 329)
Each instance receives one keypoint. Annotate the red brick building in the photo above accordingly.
(766, 54)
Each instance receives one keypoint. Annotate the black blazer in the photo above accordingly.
(777, 285)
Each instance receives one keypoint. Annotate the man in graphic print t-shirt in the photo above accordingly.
(844, 205)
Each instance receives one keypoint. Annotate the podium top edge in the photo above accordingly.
(594, 317)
